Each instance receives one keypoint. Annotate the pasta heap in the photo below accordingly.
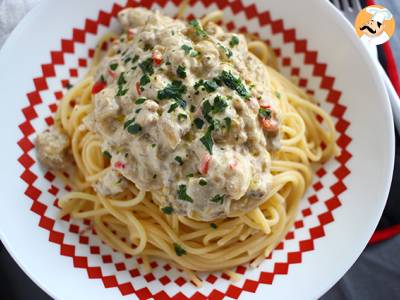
(134, 224)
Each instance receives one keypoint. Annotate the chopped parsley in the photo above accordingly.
(189, 51)
(189, 175)
(227, 51)
(102, 78)
(209, 85)
(173, 90)
(129, 122)
(199, 123)
(206, 108)
(127, 60)
(181, 71)
(121, 91)
(213, 226)
(186, 48)
(203, 182)
(140, 100)
(148, 47)
(145, 79)
(121, 79)
(168, 63)
(153, 145)
(182, 193)
(197, 27)
(182, 117)
(147, 66)
(234, 83)
(135, 58)
(278, 95)
(173, 107)
(107, 154)
(207, 141)
(179, 160)
(134, 129)
(219, 105)
(194, 53)
(167, 210)
(265, 113)
(179, 250)
(228, 123)
(113, 67)
(218, 199)
(234, 41)
(192, 108)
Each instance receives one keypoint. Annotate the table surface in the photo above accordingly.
(376, 274)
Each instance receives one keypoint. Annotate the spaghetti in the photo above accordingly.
(133, 223)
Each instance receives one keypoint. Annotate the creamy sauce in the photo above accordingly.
(186, 113)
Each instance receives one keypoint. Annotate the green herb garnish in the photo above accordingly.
(194, 53)
(121, 91)
(227, 51)
(181, 71)
(197, 27)
(113, 67)
(173, 107)
(129, 122)
(198, 122)
(207, 141)
(179, 160)
(182, 193)
(234, 83)
(173, 90)
(107, 154)
(186, 48)
(121, 79)
(234, 41)
(182, 117)
(202, 182)
(147, 66)
(209, 85)
(148, 47)
(219, 105)
(228, 122)
(134, 129)
(218, 199)
(265, 113)
(179, 250)
(145, 79)
(135, 58)
(213, 226)
(167, 210)
(140, 100)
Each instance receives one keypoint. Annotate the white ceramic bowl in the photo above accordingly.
(338, 214)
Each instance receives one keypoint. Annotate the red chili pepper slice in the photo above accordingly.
(157, 57)
(138, 88)
(98, 87)
(204, 164)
